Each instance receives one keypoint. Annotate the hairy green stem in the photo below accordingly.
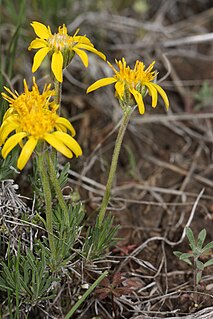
(57, 100)
(85, 295)
(48, 202)
(58, 89)
(125, 120)
(56, 185)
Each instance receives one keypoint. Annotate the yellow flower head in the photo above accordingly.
(32, 118)
(132, 84)
(61, 47)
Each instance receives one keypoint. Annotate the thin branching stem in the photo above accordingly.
(125, 120)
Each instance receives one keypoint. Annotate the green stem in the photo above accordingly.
(85, 295)
(48, 201)
(57, 100)
(195, 280)
(58, 89)
(56, 185)
(125, 120)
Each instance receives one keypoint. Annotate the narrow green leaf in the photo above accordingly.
(187, 261)
(7, 274)
(17, 281)
(85, 295)
(190, 237)
(183, 256)
(201, 238)
(198, 277)
(186, 256)
(199, 265)
(5, 288)
(208, 263)
(207, 247)
(177, 253)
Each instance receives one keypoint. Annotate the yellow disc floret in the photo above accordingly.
(39, 122)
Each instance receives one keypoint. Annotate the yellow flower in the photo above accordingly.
(32, 118)
(61, 47)
(24, 103)
(132, 84)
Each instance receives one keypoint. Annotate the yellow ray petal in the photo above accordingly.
(6, 130)
(8, 113)
(39, 57)
(153, 92)
(57, 65)
(64, 122)
(82, 39)
(139, 100)
(12, 142)
(26, 152)
(100, 83)
(58, 145)
(83, 56)
(41, 30)
(92, 49)
(70, 142)
(162, 94)
(38, 44)
(119, 87)
(60, 128)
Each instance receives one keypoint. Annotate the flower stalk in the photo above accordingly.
(56, 185)
(48, 201)
(58, 89)
(125, 120)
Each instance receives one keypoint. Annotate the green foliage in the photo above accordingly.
(35, 182)
(26, 279)
(204, 97)
(12, 8)
(197, 251)
(140, 6)
(54, 11)
(99, 238)
(8, 165)
(67, 235)
(8, 53)
(63, 176)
